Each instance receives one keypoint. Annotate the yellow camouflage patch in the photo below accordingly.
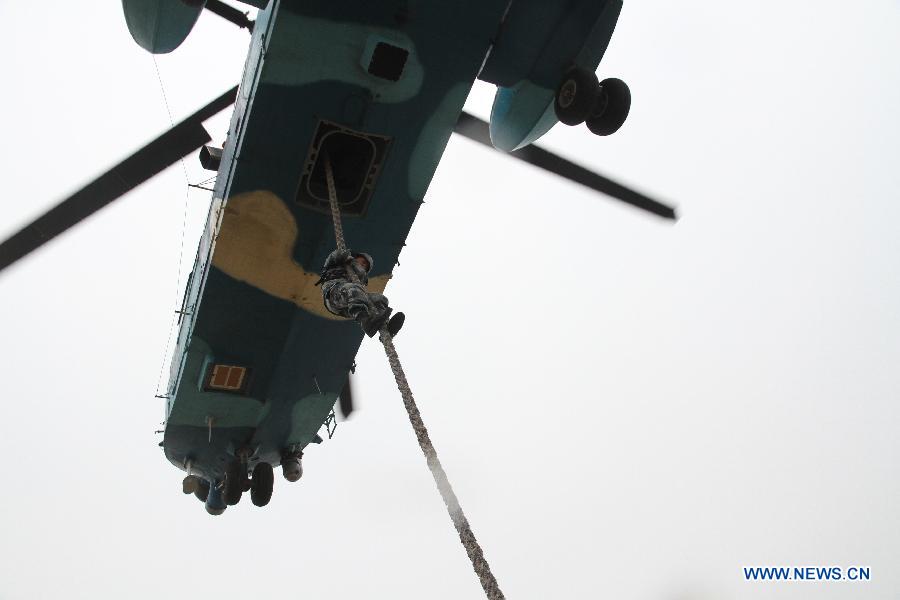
(256, 244)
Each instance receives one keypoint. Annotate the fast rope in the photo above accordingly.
(473, 549)
(336, 213)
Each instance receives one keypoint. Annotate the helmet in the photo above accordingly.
(368, 258)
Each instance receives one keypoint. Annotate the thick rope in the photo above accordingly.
(473, 549)
(335, 211)
(479, 563)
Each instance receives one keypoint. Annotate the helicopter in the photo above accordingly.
(259, 363)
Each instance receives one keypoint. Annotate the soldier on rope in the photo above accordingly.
(349, 299)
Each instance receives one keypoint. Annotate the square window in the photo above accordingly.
(388, 61)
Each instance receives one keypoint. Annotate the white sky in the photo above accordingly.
(627, 409)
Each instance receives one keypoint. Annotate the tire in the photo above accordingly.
(611, 109)
(261, 484)
(202, 491)
(235, 475)
(576, 96)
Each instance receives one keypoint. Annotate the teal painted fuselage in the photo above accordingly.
(379, 86)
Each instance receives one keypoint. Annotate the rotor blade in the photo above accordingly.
(477, 130)
(167, 149)
(229, 13)
(346, 398)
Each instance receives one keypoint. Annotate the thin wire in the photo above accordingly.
(162, 88)
(175, 315)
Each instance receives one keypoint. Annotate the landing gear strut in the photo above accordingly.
(219, 495)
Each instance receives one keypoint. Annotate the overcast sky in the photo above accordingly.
(626, 408)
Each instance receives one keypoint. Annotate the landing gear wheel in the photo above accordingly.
(611, 108)
(235, 475)
(576, 96)
(202, 491)
(261, 484)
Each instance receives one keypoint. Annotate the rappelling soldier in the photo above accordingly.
(346, 298)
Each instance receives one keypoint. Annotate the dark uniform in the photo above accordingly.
(349, 299)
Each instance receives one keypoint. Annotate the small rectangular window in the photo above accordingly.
(226, 378)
